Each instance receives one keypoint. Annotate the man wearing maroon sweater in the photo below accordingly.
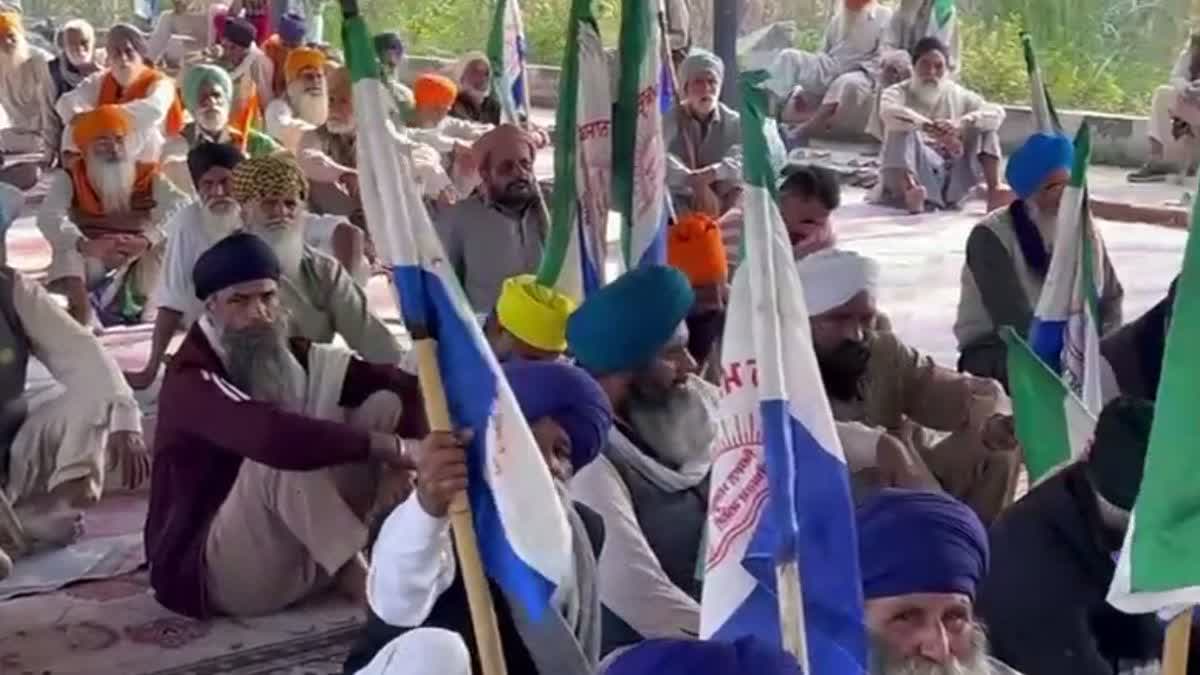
(268, 450)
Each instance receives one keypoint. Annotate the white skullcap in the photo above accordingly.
(832, 277)
(424, 651)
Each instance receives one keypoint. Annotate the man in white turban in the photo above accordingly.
(872, 377)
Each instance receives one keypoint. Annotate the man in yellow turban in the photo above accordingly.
(27, 94)
(530, 321)
(305, 105)
(105, 216)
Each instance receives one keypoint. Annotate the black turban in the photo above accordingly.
(124, 32)
(1118, 454)
(207, 155)
(236, 259)
(930, 44)
(240, 32)
(388, 41)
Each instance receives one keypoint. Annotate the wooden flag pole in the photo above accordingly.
(1175, 647)
(791, 612)
(10, 523)
(479, 596)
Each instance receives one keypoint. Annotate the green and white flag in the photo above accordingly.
(573, 261)
(1052, 423)
(1159, 568)
(1044, 114)
(506, 56)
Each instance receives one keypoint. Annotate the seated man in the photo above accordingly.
(499, 231)
(132, 83)
(702, 657)
(27, 96)
(182, 30)
(106, 217)
(650, 483)
(704, 141)
(1133, 354)
(390, 50)
(872, 377)
(940, 137)
(1175, 119)
(694, 247)
(328, 156)
(1008, 257)
(475, 102)
(194, 230)
(414, 578)
(808, 196)
(318, 292)
(1054, 558)
(835, 85)
(59, 455)
(922, 555)
(432, 125)
(290, 35)
(306, 103)
(251, 70)
(76, 59)
(530, 321)
(265, 508)
(207, 95)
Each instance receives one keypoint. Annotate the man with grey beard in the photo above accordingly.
(650, 483)
(319, 293)
(940, 138)
(105, 216)
(305, 105)
(76, 60)
(27, 95)
(922, 555)
(262, 500)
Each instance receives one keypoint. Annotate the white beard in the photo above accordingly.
(474, 94)
(220, 223)
(312, 108)
(17, 58)
(287, 240)
(213, 120)
(113, 183)
(78, 58)
(977, 663)
(340, 128)
(927, 95)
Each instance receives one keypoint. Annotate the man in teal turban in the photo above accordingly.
(650, 482)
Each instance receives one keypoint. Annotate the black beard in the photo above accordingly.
(842, 370)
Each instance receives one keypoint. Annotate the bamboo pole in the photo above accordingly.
(791, 612)
(479, 596)
(1175, 647)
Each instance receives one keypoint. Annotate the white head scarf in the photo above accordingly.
(832, 277)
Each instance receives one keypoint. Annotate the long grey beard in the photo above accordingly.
(113, 183)
(261, 364)
(213, 120)
(220, 224)
(312, 108)
(883, 662)
(927, 95)
(679, 424)
(287, 240)
(11, 61)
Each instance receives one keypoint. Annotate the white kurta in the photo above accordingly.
(285, 126)
(27, 95)
(900, 110)
(850, 44)
(149, 113)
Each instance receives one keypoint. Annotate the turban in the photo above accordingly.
(501, 136)
(704, 657)
(1118, 454)
(197, 75)
(569, 396)
(207, 155)
(919, 542)
(236, 259)
(12, 201)
(292, 29)
(300, 58)
(929, 44)
(700, 61)
(388, 41)
(622, 326)
(269, 175)
(123, 32)
(832, 277)
(434, 91)
(694, 246)
(239, 31)
(108, 119)
(1041, 155)
(10, 22)
(533, 313)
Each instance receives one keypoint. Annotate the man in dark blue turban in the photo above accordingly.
(922, 555)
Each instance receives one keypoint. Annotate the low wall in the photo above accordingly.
(1119, 140)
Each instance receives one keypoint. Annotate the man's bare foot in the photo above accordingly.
(351, 580)
(914, 199)
(52, 529)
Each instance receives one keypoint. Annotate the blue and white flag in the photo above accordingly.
(506, 51)
(1065, 332)
(780, 485)
(524, 536)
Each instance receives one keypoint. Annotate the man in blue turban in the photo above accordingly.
(922, 555)
(650, 483)
(414, 582)
(1008, 257)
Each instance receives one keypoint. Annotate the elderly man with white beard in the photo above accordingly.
(922, 555)
(76, 59)
(306, 105)
(27, 95)
(319, 293)
(940, 137)
(147, 95)
(194, 230)
(208, 94)
(106, 217)
(268, 506)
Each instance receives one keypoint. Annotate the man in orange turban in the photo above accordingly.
(131, 82)
(694, 247)
(105, 216)
(305, 105)
(27, 94)
(432, 125)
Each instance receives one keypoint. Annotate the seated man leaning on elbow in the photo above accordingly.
(414, 582)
